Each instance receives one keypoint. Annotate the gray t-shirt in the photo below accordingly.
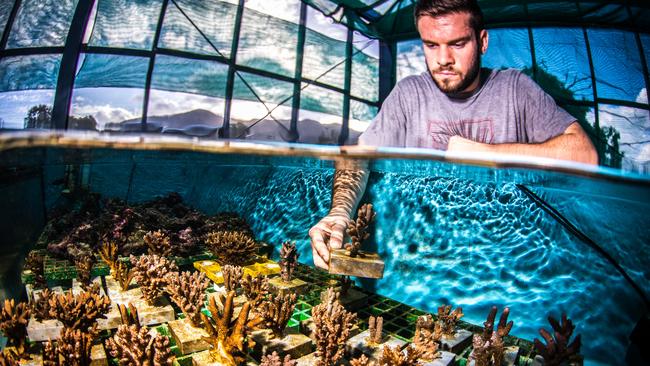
(509, 107)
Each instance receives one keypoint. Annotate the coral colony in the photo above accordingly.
(128, 261)
(288, 260)
(558, 350)
(351, 260)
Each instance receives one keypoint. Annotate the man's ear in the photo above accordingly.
(483, 41)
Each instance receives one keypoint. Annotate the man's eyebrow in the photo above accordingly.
(453, 41)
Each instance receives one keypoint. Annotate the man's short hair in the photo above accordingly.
(436, 8)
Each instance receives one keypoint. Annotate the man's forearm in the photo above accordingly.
(573, 145)
(349, 185)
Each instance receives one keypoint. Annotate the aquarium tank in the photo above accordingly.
(163, 161)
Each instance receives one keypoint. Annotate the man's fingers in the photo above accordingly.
(318, 245)
(318, 261)
(337, 235)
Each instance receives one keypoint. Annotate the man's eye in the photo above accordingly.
(431, 45)
(458, 45)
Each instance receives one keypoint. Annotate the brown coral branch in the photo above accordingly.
(13, 323)
(333, 326)
(34, 263)
(227, 340)
(358, 230)
(79, 311)
(151, 273)
(187, 290)
(489, 347)
(255, 289)
(274, 360)
(277, 311)
(391, 356)
(557, 350)
(120, 270)
(232, 276)
(84, 265)
(232, 247)
(288, 259)
(449, 319)
(40, 305)
(129, 315)
(158, 243)
(74, 347)
(427, 335)
(134, 345)
(375, 326)
(8, 357)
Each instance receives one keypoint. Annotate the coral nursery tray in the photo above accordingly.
(61, 269)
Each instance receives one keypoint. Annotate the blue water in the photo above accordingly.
(449, 233)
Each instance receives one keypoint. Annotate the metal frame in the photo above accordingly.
(68, 68)
(152, 62)
(387, 65)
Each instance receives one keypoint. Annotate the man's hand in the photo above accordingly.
(327, 234)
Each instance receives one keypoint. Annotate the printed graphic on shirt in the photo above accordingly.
(479, 130)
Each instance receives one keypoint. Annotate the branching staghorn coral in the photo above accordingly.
(274, 360)
(288, 259)
(391, 356)
(232, 247)
(375, 328)
(80, 311)
(40, 305)
(358, 230)
(427, 335)
(73, 347)
(228, 339)
(120, 270)
(158, 243)
(255, 289)
(489, 346)
(333, 326)
(187, 290)
(129, 315)
(232, 276)
(151, 273)
(84, 265)
(557, 350)
(34, 263)
(9, 357)
(345, 283)
(277, 311)
(13, 323)
(448, 319)
(136, 346)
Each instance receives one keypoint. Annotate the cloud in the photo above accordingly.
(103, 113)
(633, 124)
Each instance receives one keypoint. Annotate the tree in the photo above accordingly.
(39, 116)
(82, 123)
(605, 139)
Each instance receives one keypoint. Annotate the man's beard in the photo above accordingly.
(448, 86)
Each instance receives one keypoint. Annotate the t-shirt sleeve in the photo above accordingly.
(388, 128)
(542, 118)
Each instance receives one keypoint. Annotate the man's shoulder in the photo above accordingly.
(414, 81)
(500, 75)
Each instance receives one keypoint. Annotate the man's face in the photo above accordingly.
(452, 51)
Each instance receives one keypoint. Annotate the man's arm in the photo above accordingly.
(573, 144)
(349, 185)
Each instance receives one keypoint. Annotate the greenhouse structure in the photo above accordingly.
(312, 72)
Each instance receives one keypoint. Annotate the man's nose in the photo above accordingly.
(445, 56)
